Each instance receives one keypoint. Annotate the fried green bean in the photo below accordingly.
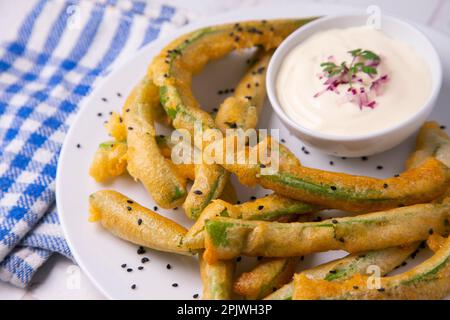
(243, 108)
(347, 192)
(227, 238)
(145, 161)
(341, 269)
(217, 279)
(428, 280)
(130, 221)
(266, 208)
(431, 141)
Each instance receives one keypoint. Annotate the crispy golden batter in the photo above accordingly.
(429, 280)
(243, 108)
(269, 275)
(130, 221)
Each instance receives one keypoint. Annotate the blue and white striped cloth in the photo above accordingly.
(52, 52)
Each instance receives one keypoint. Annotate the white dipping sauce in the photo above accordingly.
(297, 82)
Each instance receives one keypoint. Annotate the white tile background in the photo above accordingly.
(61, 279)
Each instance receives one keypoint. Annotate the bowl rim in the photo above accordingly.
(424, 110)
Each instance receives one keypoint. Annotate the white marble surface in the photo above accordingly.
(61, 279)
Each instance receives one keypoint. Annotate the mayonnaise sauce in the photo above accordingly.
(298, 81)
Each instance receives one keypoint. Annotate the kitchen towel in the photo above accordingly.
(52, 53)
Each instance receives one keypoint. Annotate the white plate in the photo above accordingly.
(100, 254)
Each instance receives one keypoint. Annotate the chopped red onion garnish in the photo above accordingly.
(364, 61)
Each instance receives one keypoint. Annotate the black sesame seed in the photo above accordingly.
(215, 109)
(198, 192)
(334, 221)
(174, 285)
(385, 185)
(140, 250)
(176, 208)
(130, 201)
(129, 270)
(168, 267)
(355, 287)
(252, 198)
(130, 128)
(443, 127)
(430, 232)
(195, 296)
(119, 94)
(404, 263)
(379, 167)
(166, 75)
(140, 268)
(129, 208)
(133, 286)
(381, 290)
(283, 141)
(99, 114)
(333, 188)
(396, 175)
(260, 207)
(104, 99)
(238, 259)
(78, 146)
(139, 222)
(341, 239)
(155, 208)
(262, 165)
(333, 271)
(331, 163)
(124, 265)
(364, 158)
(343, 158)
(145, 260)
(248, 97)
